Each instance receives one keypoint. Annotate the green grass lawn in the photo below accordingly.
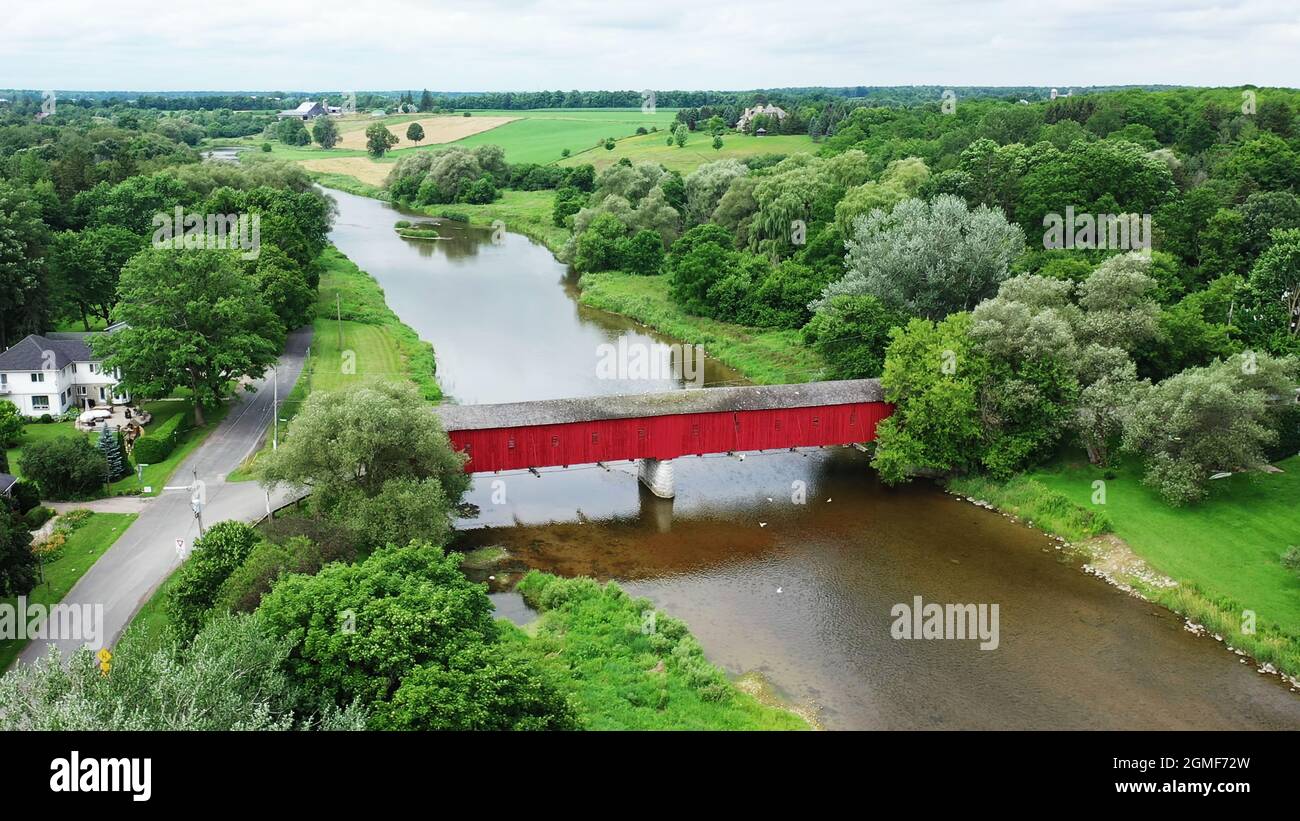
(86, 544)
(768, 357)
(1228, 545)
(154, 476)
(697, 151)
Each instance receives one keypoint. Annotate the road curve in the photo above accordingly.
(145, 555)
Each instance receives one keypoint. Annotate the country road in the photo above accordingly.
(142, 558)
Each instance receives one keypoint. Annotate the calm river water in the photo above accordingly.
(801, 592)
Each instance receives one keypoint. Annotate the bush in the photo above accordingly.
(68, 467)
(1291, 559)
(151, 451)
(194, 589)
(37, 516)
(243, 590)
(25, 496)
(46, 419)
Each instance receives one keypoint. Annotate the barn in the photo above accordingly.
(663, 426)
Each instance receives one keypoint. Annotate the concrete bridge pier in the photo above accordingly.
(657, 475)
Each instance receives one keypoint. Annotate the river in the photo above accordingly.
(789, 563)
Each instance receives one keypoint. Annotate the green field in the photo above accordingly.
(697, 151)
(86, 544)
(540, 135)
(1228, 545)
(154, 476)
(768, 357)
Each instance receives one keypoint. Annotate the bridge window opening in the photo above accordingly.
(595, 437)
(816, 421)
(555, 441)
(695, 430)
(510, 443)
(777, 424)
(640, 433)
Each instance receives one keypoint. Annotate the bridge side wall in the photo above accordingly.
(667, 437)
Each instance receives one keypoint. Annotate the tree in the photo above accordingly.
(334, 445)
(426, 101)
(933, 377)
(291, 131)
(325, 132)
(23, 240)
(194, 319)
(851, 334)
(1275, 289)
(11, 425)
(229, 678)
(717, 142)
(361, 631)
(415, 133)
(642, 253)
(379, 139)
(67, 467)
(705, 187)
(19, 566)
(598, 247)
(680, 134)
(929, 258)
(193, 590)
(696, 261)
(1205, 421)
(111, 448)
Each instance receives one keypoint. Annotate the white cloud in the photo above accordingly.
(591, 44)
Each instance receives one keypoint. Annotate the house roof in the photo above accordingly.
(668, 403)
(29, 354)
(7, 482)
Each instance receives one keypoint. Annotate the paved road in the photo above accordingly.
(130, 571)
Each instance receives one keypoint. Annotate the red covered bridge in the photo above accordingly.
(657, 427)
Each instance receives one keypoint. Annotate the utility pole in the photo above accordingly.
(275, 409)
(196, 502)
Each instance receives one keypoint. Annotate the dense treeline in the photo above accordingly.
(929, 245)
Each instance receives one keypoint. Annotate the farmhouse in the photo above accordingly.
(309, 110)
(55, 373)
(766, 110)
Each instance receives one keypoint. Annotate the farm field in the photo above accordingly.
(439, 129)
(697, 151)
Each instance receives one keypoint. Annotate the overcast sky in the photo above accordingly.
(497, 45)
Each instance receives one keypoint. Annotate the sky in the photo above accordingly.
(529, 45)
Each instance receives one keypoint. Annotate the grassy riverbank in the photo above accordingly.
(85, 544)
(368, 341)
(1223, 553)
(768, 357)
(630, 667)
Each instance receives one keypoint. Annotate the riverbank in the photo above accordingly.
(631, 667)
(767, 357)
(357, 336)
(1215, 564)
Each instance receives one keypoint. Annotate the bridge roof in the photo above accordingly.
(668, 403)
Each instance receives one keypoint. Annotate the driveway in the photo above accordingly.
(145, 555)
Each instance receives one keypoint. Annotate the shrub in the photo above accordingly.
(151, 451)
(25, 496)
(68, 467)
(194, 590)
(1291, 558)
(74, 519)
(243, 590)
(36, 517)
(52, 548)
(46, 419)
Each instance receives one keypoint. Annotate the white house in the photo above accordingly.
(772, 111)
(57, 372)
